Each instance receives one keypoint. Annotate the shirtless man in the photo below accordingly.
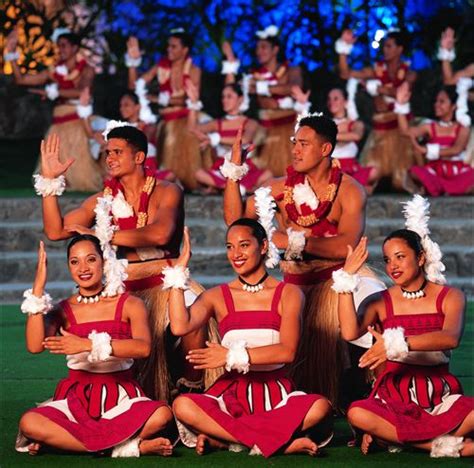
(149, 216)
(320, 212)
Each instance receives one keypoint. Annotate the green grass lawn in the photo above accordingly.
(27, 379)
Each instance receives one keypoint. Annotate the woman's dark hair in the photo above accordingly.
(85, 237)
(72, 38)
(341, 89)
(257, 229)
(234, 87)
(131, 95)
(412, 239)
(183, 36)
(400, 37)
(132, 135)
(273, 40)
(450, 91)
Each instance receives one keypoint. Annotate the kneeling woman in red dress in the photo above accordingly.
(99, 405)
(254, 404)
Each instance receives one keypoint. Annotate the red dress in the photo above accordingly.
(445, 176)
(422, 401)
(260, 408)
(102, 406)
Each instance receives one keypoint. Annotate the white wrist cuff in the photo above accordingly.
(403, 109)
(195, 106)
(237, 357)
(146, 115)
(230, 68)
(446, 446)
(33, 305)
(231, 171)
(263, 88)
(214, 138)
(302, 107)
(342, 47)
(11, 56)
(84, 111)
(164, 98)
(128, 448)
(446, 54)
(395, 344)
(101, 347)
(432, 151)
(372, 87)
(132, 62)
(175, 277)
(296, 244)
(52, 91)
(344, 282)
(286, 103)
(49, 187)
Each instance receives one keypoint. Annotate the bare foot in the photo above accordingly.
(365, 445)
(158, 446)
(34, 448)
(205, 444)
(468, 448)
(303, 445)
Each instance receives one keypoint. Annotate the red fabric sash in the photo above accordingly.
(270, 123)
(65, 118)
(175, 115)
(312, 277)
(144, 283)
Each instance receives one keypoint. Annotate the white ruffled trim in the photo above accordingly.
(176, 277)
(269, 31)
(342, 47)
(49, 187)
(141, 90)
(446, 446)
(128, 448)
(432, 151)
(344, 282)
(303, 193)
(11, 56)
(395, 344)
(265, 209)
(195, 106)
(402, 109)
(238, 357)
(232, 171)
(296, 244)
(84, 111)
(230, 68)
(214, 139)
(263, 88)
(101, 347)
(120, 207)
(286, 103)
(33, 305)
(302, 107)
(164, 98)
(372, 87)
(111, 124)
(132, 62)
(446, 54)
(52, 91)
(351, 88)
(462, 88)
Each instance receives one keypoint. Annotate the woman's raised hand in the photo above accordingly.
(191, 91)
(298, 95)
(41, 271)
(228, 52)
(185, 255)
(51, 166)
(133, 48)
(403, 93)
(239, 152)
(12, 41)
(85, 96)
(447, 39)
(348, 36)
(356, 257)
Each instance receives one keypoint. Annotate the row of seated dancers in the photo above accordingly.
(268, 333)
(431, 158)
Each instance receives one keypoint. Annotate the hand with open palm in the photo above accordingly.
(51, 166)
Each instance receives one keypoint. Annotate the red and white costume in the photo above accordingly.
(260, 409)
(450, 176)
(418, 395)
(100, 404)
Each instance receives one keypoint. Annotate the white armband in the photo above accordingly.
(232, 171)
(214, 138)
(446, 54)
(128, 448)
(132, 62)
(372, 87)
(49, 187)
(33, 305)
(286, 103)
(395, 343)
(195, 106)
(342, 47)
(52, 91)
(175, 277)
(344, 282)
(164, 98)
(11, 56)
(402, 109)
(446, 446)
(101, 347)
(237, 357)
(302, 107)
(230, 68)
(432, 151)
(296, 244)
(263, 88)
(84, 111)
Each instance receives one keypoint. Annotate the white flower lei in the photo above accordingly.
(303, 193)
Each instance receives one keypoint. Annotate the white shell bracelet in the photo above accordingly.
(128, 448)
(302, 107)
(395, 343)
(342, 47)
(296, 244)
(33, 305)
(84, 111)
(52, 91)
(230, 68)
(132, 62)
(232, 171)
(49, 187)
(432, 151)
(195, 106)
(344, 282)
(175, 277)
(372, 87)
(263, 88)
(101, 347)
(446, 54)
(446, 446)
(402, 109)
(214, 139)
(238, 357)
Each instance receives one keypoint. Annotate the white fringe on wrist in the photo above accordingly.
(263, 88)
(342, 47)
(395, 343)
(302, 107)
(132, 62)
(432, 151)
(296, 244)
(49, 187)
(402, 109)
(238, 357)
(84, 111)
(232, 171)
(214, 139)
(446, 54)
(230, 68)
(372, 87)
(52, 91)
(446, 446)
(33, 305)
(195, 106)
(175, 277)
(129, 448)
(344, 282)
(286, 103)
(101, 347)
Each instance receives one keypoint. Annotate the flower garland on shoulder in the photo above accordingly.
(301, 203)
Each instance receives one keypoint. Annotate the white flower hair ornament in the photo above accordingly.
(111, 124)
(269, 31)
(304, 115)
(59, 32)
(417, 215)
